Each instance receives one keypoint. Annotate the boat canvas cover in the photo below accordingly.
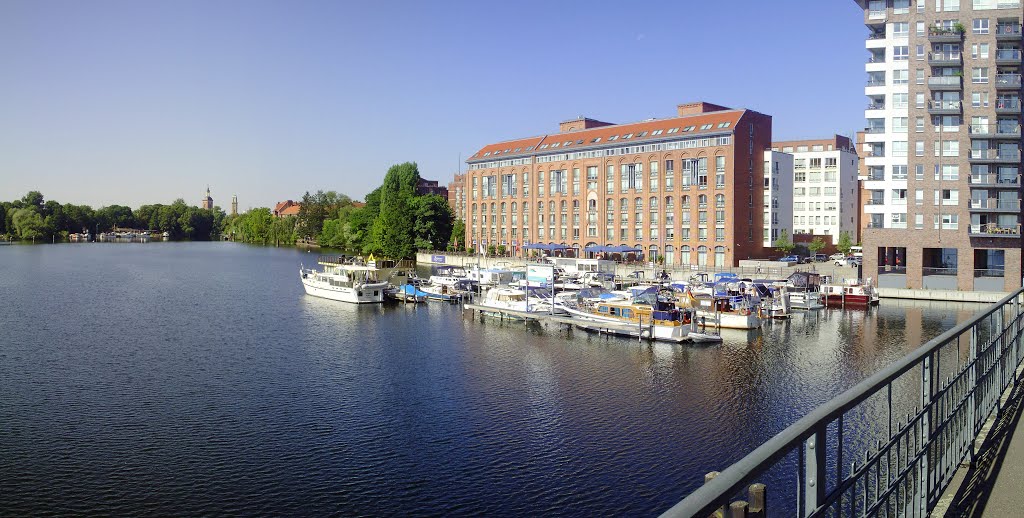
(804, 279)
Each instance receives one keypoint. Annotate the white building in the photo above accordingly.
(825, 189)
(778, 195)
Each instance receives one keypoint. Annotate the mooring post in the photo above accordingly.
(720, 512)
(757, 495)
(738, 509)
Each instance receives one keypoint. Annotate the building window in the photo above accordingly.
(980, 25)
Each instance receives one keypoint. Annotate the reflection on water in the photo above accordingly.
(199, 379)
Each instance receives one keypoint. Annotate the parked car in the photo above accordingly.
(820, 258)
(790, 259)
(837, 257)
(849, 261)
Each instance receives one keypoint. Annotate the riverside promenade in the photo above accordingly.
(993, 485)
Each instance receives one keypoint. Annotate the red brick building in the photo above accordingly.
(688, 188)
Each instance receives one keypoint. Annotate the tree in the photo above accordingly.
(783, 244)
(501, 250)
(433, 225)
(393, 229)
(28, 223)
(845, 243)
(816, 245)
(458, 238)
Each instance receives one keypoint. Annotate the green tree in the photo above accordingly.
(845, 243)
(458, 237)
(816, 245)
(434, 218)
(393, 229)
(783, 244)
(28, 223)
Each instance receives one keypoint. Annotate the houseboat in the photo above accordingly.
(852, 293)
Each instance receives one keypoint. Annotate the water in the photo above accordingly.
(198, 378)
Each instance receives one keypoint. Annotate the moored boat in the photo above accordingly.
(652, 315)
(353, 283)
(853, 293)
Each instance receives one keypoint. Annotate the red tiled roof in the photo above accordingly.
(291, 210)
(498, 151)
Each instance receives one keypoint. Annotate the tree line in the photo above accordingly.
(33, 218)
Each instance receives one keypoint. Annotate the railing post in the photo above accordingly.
(814, 470)
(924, 471)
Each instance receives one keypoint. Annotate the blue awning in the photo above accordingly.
(545, 246)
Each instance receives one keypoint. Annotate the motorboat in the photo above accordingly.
(514, 303)
(651, 315)
(804, 290)
(406, 293)
(336, 280)
(853, 292)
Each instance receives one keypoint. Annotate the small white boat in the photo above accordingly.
(501, 301)
(344, 282)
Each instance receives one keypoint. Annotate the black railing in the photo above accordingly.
(884, 447)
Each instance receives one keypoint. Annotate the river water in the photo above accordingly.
(198, 378)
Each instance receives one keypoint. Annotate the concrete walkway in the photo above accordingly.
(994, 485)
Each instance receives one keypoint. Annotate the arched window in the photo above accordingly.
(653, 253)
(702, 201)
(670, 255)
(720, 200)
(638, 203)
(654, 202)
(719, 256)
(685, 201)
(684, 254)
(623, 205)
(563, 205)
(702, 255)
(609, 204)
(492, 209)
(513, 207)
(551, 207)
(503, 207)
(668, 203)
(575, 204)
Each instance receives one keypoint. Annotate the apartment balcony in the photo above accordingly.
(877, 14)
(1008, 32)
(874, 202)
(994, 230)
(1008, 82)
(875, 106)
(940, 83)
(872, 131)
(945, 59)
(944, 107)
(881, 82)
(941, 35)
(994, 205)
(1008, 132)
(994, 180)
(875, 60)
(1008, 106)
(998, 131)
(993, 156)
(881, 35)
(1008, 57)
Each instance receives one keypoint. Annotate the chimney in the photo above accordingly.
(580, 123)
(698, 108)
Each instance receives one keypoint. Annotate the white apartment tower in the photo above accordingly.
(825, 190)
(778, 195)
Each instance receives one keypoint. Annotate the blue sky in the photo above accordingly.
(132, 102)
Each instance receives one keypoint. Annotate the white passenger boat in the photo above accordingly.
(508, 302)
(357, 284)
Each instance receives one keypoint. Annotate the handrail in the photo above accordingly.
(801, 435)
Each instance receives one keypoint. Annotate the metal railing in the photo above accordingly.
(905, 444)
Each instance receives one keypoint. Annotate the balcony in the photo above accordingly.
(993, 205)
(993, 155)
(994, 230)
(1008, 32)
(875, 60)
(1008, 106)
(1008, 82)
(944, 59)
(881, 82)
(874, 130)
(881, 35)
(944, 107)
(874, 202)
(1007, 132)
(1008, 57)
(945, 83)
(876, 106)
(942, 35)
(993, 180)
(876, 14)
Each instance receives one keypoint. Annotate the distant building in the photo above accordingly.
(234, 205)
(457, 196)
(431, 187)
(207, 202)
(286, 208)
(825, 188)
(778, 196)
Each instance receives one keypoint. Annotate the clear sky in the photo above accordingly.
(135, 102)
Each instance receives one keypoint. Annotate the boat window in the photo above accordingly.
(602, 309)
(627, 313)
